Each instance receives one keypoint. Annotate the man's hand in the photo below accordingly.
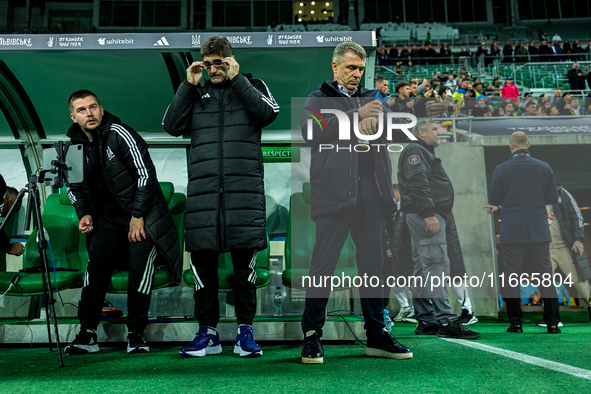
(85, 224)
(17, 249)
(579, 246)
(368, 126)
(391, 101)
(233, 66)
(195, 73)
(371, 110)
(491, 208)
(136, 230)
(432, 225)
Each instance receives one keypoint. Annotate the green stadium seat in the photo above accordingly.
(68, 250)
(162, 275)
(226, 271)
(299, 243)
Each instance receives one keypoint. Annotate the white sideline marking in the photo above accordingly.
(568, 369)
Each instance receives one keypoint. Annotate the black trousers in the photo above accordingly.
(367, 223)
(529, 258)
(205, 270)
(107, 246)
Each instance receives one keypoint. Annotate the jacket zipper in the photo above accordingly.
(222, 214)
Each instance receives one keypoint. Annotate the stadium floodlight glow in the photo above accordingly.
(327, 4)
(299, 19)
(313, 3)
(301, 4)
(312, 12)
(300, 11)
(326, 12)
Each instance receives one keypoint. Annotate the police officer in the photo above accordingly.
(427, 200)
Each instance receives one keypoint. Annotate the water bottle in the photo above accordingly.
(387, 321)
(278, 302)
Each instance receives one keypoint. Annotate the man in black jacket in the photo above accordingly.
(427, 201)
(226, 194)
(523, 186)
(351, 191)
(9, 197)
(123, 212)
(576, 79)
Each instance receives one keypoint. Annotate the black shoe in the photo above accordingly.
(426, 328)
(468, 318)
(84, 343)
(542, 323)
(515, 328)
(455, 329)
(553, 329)
(136, 343)
(312, 351)
(386, 346)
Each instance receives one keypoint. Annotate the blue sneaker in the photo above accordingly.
(245, 344)
(204, 343)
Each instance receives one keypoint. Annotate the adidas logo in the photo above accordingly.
(161, 42)
(110, 154)
(206, 95)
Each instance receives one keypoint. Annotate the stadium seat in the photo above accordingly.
(163, 277)
(226, 271)
(299, 243)
(67, 250)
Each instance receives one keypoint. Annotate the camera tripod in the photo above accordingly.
(34, 209)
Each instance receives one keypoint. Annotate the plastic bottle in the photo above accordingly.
(387, 321)
(278, 302)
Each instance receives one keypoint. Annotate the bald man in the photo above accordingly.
(523, 186)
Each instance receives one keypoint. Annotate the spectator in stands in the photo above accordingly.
(576, 78)
(500, 111)
(445, 53)
(577, 50)
(508, 52)
(382, 89)
(554, 111)
(494, 50)
(544, 52)
(427, 202)
(480, 108)
(556, 37)
(530, 109)
(509, 89)
(554, 50)
(393, 54)
(428, 40)
(532, 50)
(414, 53)
(414, 89)
(521, 187)
(383, 59)
(404, 54)
(478, 89)
(460, 92)
(520, 54)
(510, 110)
(557, 98)
(544, 106)
(571, 107)
(481, 51)
(402, 97)
(431, 54)
(496, 83)
(527, 98)
(567, 49)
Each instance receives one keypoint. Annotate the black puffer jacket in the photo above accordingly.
(226, 193)
(131, 176)
(334, 172)
(424, 185)
(569, 216)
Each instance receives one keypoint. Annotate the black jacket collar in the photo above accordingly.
(430, 148)
(77, 136)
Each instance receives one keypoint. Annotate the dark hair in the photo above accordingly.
(381, 79)
(80, 94)
(401, 85)
(216, 45)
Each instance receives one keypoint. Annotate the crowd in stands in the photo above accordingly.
(449, 94)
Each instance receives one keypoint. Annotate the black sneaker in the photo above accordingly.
(136, 343)
(515, 328)
(542, 323)
(589, 309)
(386, 346)
(424, 328)
(468, 318)
(553, 329)
(455, 329)
(312, 350)
(84, 343)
